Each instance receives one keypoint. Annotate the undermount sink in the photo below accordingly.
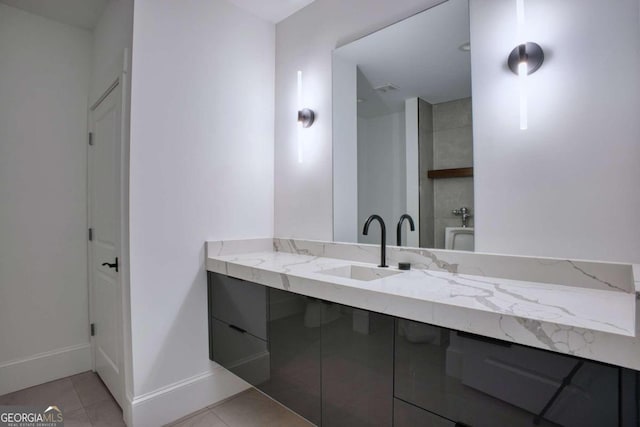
(358, 272)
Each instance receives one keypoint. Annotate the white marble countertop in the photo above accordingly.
(566, 319)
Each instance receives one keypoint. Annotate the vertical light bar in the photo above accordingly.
(520, 12)
(522, 67)
(523, 70)
(300, 151)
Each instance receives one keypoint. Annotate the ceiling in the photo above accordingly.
(79, 13)
(85, 13)
(421, 56)
(272, 10)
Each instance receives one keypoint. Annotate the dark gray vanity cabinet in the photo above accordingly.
(357, 367)
(479, 381)
(330, 363)
(266, 337)
(408, 415)
(294, 346)
(238, 327)
(340, 366)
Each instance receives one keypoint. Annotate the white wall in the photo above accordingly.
(568, 186)
(44, 81)
(201, 168)
(345, 158)
(412, 172)
(111, 36)
(305, 41)
(381, 174)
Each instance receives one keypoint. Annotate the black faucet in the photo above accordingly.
(383, 243)
(399, 228)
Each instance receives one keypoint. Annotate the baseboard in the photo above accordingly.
(170, 403)
(44, 367)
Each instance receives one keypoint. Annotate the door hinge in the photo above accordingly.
(91, 234)
(90, 138)
(93, 329)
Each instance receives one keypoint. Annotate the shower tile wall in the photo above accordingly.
(450, 146)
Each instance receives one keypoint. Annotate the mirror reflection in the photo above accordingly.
(403, 140)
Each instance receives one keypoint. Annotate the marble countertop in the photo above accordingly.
(576, 320)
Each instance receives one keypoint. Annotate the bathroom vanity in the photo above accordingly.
(458, 340)
(462, 338)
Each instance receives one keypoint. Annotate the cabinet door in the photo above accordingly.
(407, 415)
(357, 367)
(240, 352)
(294, 346)
(239, 303)
(238, 327)
(483, 382)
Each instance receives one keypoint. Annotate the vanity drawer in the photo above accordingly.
(484, 382)
(406, 415)
(240, 352)
(239, 303)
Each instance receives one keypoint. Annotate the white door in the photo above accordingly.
(104, 246)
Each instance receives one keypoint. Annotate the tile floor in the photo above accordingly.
(247, 409)
(83, 399)
(86, 402)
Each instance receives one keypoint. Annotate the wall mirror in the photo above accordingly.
(403, 140)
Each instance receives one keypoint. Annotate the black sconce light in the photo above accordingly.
(306, 116)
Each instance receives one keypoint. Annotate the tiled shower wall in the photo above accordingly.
(449, 144)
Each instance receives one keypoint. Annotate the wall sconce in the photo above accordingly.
(306, 117)
(523, 60)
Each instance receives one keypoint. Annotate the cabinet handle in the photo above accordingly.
(483, 339)
(236, 328)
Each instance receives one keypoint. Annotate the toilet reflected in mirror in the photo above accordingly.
(459, 238)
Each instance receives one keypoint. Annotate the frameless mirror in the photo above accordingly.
(403, 139)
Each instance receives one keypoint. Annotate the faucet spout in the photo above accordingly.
(399, 228)
(383, 240)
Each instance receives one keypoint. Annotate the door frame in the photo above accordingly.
(120, 82)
